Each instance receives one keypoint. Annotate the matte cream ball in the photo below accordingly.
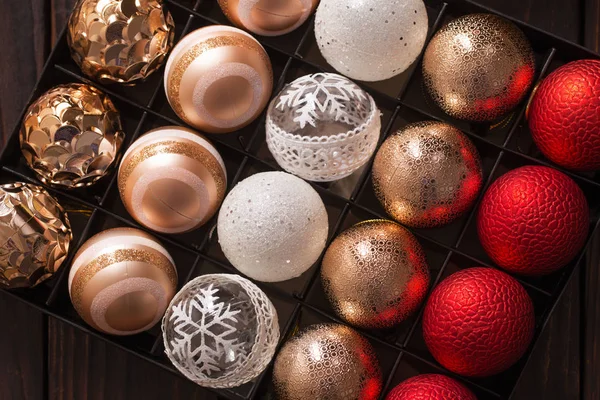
(121, 281)
(172, 180)
(218, 79)
(272, 226)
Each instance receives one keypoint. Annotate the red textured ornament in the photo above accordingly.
(430, 387)
(478, 322)
(564, 116)
(533, 220)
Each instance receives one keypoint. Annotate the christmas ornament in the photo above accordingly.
(427, 174)
(172, 180)
(564, 116)
(375, 274)
(533, 220)
(35, 235)
(268, 17)
(478, 67)
(218, 79)
(371, 40)
(327, 361)
(220, 330)
(121, 281)
(322, 127)
(120, 40)
(71, 135)
(272, 226)
(478, 322)
(430, 387)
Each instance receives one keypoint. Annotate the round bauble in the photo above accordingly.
(121, 281)
(71, 135)
(268, 17)
(375, 274)
(220, 330)
(333, 140)
(478, 322)
(371, 40)
(533, 220)
(172, 180)
(218, 79)
(120, 40)
(272, 226)
(564, 116)
(427, 174)
(35, 235)
(430, 387)
(478, 67)
(327, 361)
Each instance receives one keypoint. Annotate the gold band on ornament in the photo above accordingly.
(87, 272)
(196, 152)
(186, 60)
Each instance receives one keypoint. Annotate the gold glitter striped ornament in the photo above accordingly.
(121, 281)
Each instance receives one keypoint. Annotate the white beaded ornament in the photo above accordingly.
(322, 127)
(371, 40)
(220, 330)
(272, 226)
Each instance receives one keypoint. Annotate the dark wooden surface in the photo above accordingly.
(73, 365)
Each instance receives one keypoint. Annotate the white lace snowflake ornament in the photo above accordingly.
(322, 127)
(220, 330)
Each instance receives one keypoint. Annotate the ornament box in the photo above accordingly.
(300, 302)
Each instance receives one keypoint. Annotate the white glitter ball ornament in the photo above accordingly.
(220, 330)
(322, 127)
(272, 226)
(371, 40)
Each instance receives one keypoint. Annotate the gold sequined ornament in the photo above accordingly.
(427, 174)
(375, 274)
(71, 135)
(218, 79)
(121, 281)
(35, 233)
(327, 361)
(478, 67)
(120, 41)
(268, 17)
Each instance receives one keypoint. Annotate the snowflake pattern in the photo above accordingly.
(327, 93)
(220, 330)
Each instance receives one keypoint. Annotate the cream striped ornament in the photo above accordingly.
(122, 281)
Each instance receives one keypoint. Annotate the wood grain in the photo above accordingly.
(22, 354)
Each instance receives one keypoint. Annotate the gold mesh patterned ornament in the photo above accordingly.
(427, 174)
(120, 40)
(35, 233)
(71, 135)
(478, 67)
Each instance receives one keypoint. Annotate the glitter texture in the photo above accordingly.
(375, 274)
(327, 361)
(371, 40)
(478, 67)
(427, 174)
(272, 226)
(220, 330)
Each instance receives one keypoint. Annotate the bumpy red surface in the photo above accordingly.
(564, 115)
(430, 387)
(478, 322)
(533, 220)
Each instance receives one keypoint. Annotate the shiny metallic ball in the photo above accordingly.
(427, 174)
(478, 67)
(71, 135)
(327, 361)
(375, 274)
(120, 41)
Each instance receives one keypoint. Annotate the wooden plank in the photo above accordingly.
(83, 367)
(591, 313)
(22, 351)
(592, 24)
